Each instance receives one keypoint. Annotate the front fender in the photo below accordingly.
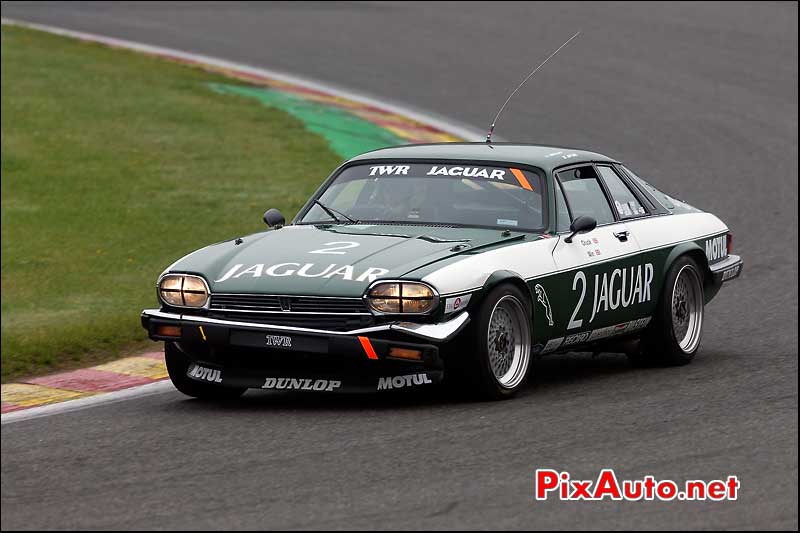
(506, 276)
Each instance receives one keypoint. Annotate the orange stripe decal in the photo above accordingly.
(523, 181)
(368, 349)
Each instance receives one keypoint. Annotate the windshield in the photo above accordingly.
(435, 193)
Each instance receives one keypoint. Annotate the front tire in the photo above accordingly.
(177, 367)
(674, 336)
(497, 352)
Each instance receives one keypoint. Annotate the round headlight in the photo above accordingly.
(401, 297)
(170, 290)
(183, 290)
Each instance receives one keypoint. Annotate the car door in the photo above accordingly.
(600, 278)
(639, 213)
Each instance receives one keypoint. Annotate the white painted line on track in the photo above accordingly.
(448, 126)
(159, 387)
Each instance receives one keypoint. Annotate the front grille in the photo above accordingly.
(245, 302)
(330, 322)
(335, 314)
(262, 303)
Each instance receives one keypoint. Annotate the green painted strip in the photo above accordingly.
(347, 134)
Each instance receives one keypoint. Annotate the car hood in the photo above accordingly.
(332, 260)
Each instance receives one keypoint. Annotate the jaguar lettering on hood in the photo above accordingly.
(329, 261)
(305, 270)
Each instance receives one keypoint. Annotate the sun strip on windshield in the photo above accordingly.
(523, 181)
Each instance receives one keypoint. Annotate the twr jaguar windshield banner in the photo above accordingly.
(513, 176)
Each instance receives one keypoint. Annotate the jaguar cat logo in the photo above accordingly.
(541, 297)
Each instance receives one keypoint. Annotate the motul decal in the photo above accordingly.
(399, 382)
(717, 248)
(203, 373)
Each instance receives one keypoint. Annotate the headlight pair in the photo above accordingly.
(406, 297)
(183, 290)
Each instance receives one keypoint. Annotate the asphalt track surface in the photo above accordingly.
(700, 98)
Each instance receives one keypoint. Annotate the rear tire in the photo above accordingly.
(497, 346)
(177, 367)
(674, 336)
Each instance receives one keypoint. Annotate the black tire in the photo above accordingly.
(474, 367)
(177, 367)
(661, 344)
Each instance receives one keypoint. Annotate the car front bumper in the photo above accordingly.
(255, 355)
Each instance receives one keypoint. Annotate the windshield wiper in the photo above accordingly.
(333, 212)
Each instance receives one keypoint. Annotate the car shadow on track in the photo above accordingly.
(550, 374)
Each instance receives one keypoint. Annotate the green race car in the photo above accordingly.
(457, 260)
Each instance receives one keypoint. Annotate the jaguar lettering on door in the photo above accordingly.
(597, 296)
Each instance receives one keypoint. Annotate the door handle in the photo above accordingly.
(622, 235)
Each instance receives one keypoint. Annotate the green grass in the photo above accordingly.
(114, 165)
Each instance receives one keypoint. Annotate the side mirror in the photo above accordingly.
(581, 225)
(274, 218)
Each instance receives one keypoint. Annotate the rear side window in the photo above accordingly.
(658, 195)
(625, 202)
(585, 194)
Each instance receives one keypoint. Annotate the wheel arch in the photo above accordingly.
(508, 276)
(696, 253)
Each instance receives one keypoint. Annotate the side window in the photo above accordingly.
(563, 219)
(625, 202)
(585, 194)
(658, 195)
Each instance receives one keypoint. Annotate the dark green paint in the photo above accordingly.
(544, 157)
(564, 298)
(413, 252)
(402, 250)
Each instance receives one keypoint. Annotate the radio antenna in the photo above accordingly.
(510, 96)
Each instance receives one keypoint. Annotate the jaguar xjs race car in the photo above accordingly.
(465, 261)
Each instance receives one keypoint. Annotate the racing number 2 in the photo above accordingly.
(337, 247)
(579, 276)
